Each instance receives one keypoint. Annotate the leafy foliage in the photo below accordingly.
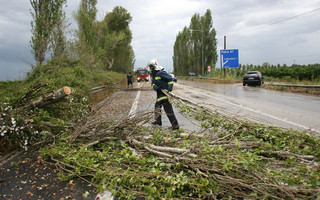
(107, 43)
(118, 40)
(47, 17)
(196, 46)
(80, 65)
(230, 159)
(24, 128)
(86, 16)
(301, 74)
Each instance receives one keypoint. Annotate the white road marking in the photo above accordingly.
(107, 195)
(265, 114)
(134, 106)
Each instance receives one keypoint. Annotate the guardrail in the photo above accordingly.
(198, 77)
(217, 80)
(98, 89)
(102, 87)
(294, 85)
(272, 84)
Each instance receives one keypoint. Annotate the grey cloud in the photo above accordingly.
(156, 23)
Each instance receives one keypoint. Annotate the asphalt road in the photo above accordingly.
(288, 110)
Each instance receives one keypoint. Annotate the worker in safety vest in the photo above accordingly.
(161, 80)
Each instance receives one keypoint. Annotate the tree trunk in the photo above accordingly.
(56, 96)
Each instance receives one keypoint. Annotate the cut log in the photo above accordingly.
(56, 96)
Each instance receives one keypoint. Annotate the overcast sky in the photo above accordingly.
(274, 31)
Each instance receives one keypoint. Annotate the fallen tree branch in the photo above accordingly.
(143, 145)
(168, 149)
(33, 92)
(158, 152)
(287, 154)
(242, 145)
(56, 96)
(142, 156)
(101, 140)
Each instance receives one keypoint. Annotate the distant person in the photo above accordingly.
(161, 80)
(129, 79)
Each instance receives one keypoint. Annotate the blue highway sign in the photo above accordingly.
(229, 58)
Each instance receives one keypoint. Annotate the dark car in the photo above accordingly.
(253, 78)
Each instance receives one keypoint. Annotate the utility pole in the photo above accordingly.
(225, 47)
(202, 61)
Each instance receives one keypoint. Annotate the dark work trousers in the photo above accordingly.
(169, 111)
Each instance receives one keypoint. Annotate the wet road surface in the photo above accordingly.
(289, 110)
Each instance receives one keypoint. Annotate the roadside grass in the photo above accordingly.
(309, 91)
(21, 128)
(9, 90)
(290, 80)
(56, 76)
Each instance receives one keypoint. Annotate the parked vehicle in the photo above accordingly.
(174, 78)
(253, 78)
(142, 74)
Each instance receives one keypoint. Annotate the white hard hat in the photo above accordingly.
(153, 63)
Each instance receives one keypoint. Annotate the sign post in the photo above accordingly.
(229, 58)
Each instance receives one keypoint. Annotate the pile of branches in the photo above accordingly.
(227, 159)
(32, 118)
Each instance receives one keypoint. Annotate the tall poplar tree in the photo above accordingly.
(196, 46)
(86, 45)
(122, 55)
(210, 41)
(46, 15)
(106, 43)
(182, 53)
(59, 41)
(86, 18)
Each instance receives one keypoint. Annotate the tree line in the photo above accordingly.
(295, 72)
(309, 72)
(96, 44)
(196, 46)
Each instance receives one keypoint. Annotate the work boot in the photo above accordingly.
(156, 123)
(175, 127)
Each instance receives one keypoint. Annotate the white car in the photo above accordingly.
(174, 78)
